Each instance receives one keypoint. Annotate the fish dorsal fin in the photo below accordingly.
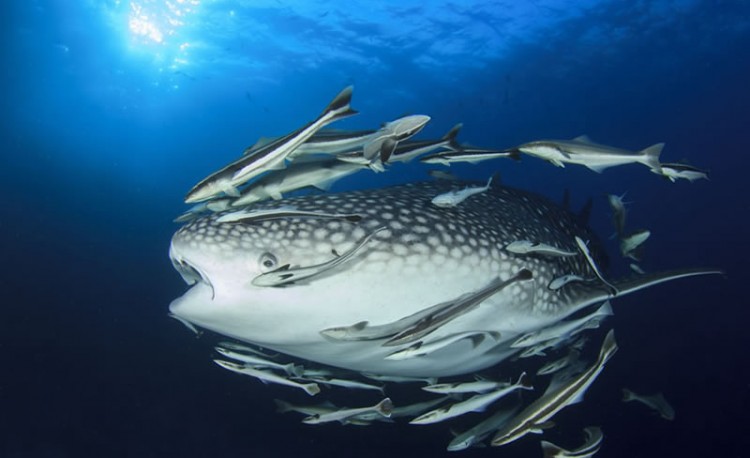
(260, 143)
(386, 149)
(562, 377)
(551, 450)
(450, 137)
(360, 325)
(476, 340)
(324, 185)
(578, 398)
(653, 150)
(597, 168)
(583, 139)
(540, 427)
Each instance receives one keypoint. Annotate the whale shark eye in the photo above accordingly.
(268, 261)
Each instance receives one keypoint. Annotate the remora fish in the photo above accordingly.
(381, 145)
(453, 198)
(300, 174)
(589, 448)
(481, 431)
(619, 213)
(255, 361)
(268, 157)
(581, 150)
(636, 268)
(267, 377)
(353, 384)
(470, 155)
(391, 133)
(406, 151)
(560, 394)
(333, 141)
(246, 349)
(476, 403)
(423, 322)
(453, 310)
(425, 348)
(423, 256)
(655, 401)
(563, 328)
(410, 410)
(558, 364)
(540, 348)
(583, 246)
(629, 245)
(673, 171)
(477, 386)
(284, 407)
(528, 247)
(399, 379)
(559, 282)
(383, 408)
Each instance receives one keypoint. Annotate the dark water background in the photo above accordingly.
(104, 130)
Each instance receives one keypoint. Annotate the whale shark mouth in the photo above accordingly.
(191, 274)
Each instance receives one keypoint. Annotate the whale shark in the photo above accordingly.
(347, 279)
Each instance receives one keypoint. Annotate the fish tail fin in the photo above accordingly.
(551, 450)
(450, 137)
(514, 153)
(651, 156)
(609, 347)
(605, 309)
(311, 388)
(282, 406)
(385, 407)
(294, 370)
(524, 382)
(340, 105)
(627, 395)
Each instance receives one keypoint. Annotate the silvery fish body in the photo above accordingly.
(402, 256)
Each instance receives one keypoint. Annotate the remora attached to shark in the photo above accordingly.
(402, 256)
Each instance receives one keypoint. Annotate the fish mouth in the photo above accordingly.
(190, 273)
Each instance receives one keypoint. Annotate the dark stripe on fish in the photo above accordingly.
(286, 274)
(449, 311)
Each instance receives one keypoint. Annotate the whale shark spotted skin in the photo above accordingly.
(404, 255)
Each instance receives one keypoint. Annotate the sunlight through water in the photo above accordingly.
(154, 28)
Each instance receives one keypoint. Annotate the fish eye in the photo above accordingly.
(268, 261)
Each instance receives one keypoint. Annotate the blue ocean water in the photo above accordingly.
(112, 110)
